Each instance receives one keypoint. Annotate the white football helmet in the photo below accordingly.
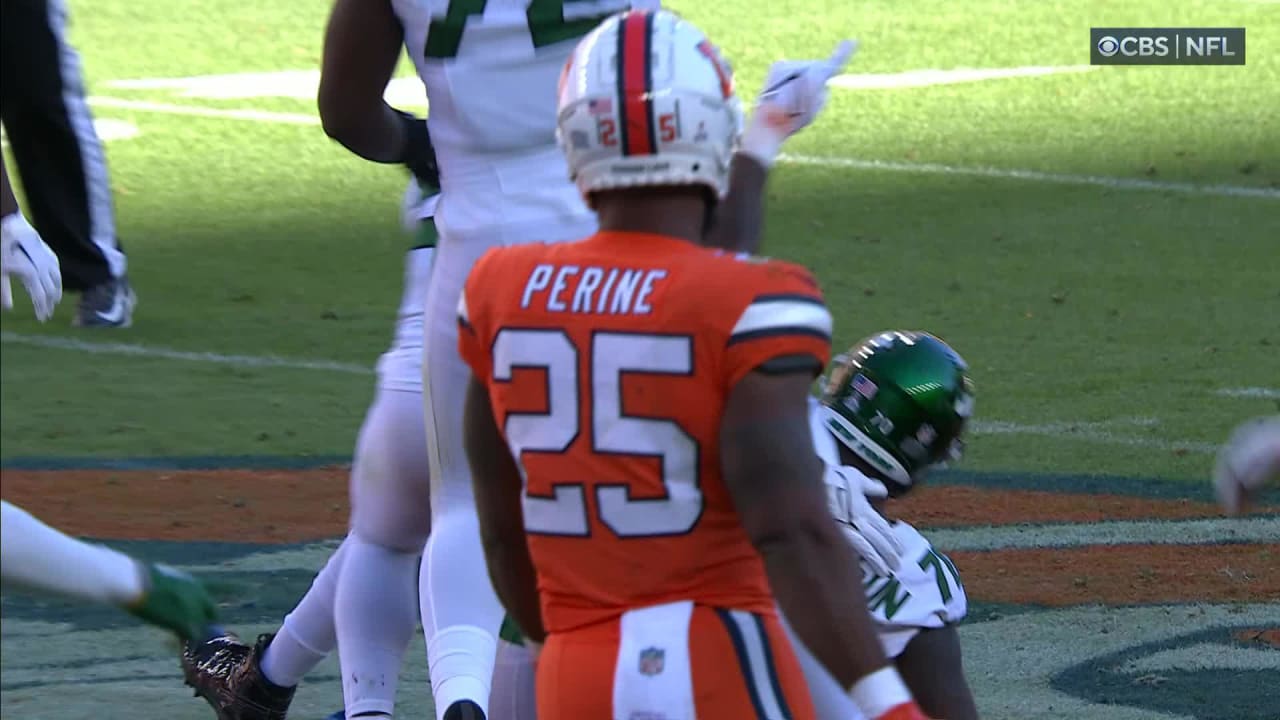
(646, 100)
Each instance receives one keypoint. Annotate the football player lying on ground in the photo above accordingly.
(34, 555)
(895, 405)
(891, 408)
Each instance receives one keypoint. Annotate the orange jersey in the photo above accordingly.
(608, 363)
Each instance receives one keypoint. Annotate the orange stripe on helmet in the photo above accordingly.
(723, 73)
(635, 78)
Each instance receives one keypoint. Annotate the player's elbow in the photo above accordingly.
(800, 536)
(338, 121)
(343, 115)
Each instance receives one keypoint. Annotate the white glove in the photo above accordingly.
(795, 91)
(867, 530)
(24, 254)
(1249, 460)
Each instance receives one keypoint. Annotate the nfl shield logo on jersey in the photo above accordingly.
(651, 661)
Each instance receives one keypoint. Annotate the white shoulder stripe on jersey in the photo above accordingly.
(463, 317)
(778, 315)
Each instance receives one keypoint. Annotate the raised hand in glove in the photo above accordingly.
(795, 91)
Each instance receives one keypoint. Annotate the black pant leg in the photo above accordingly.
(57, 152)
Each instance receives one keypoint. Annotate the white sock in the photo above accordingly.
(376, 614)
(307, 635)
(461, 613)
(514, 681)
(37, 556)
(461, 659)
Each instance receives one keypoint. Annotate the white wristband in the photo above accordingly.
(762, 142)
(14, 223)
(879, 692)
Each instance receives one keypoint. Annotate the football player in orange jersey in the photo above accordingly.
(637, 426)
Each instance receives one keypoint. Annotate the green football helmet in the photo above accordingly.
(900, 401)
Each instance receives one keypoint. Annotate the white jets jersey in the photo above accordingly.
(924, 593)
(491, 69)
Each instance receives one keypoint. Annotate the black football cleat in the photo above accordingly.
(108, 305)
(227, 673)
(464, 710)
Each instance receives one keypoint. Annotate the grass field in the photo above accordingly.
(1102, 244)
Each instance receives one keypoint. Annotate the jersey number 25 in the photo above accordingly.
(612, 432)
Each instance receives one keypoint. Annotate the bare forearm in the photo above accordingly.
(739, 219)
(376, 134)
(515, 581)
(819, 589)
(362, 45)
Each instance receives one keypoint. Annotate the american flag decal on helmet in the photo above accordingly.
(864, 386)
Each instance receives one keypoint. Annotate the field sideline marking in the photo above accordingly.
(911, 79)
(1113, 183)
(209, 112)
(1251, 392)
(148, 351)
(1094, 432)
(1202, 531)
(1087, 431)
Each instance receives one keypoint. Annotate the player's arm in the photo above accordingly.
(38, 557)
(776, 483)
(775, 480)
(361, 48)
(794, 93)
(25, 255)
(497, 485)
(738, 223)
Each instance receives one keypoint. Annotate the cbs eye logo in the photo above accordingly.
(1108, 46)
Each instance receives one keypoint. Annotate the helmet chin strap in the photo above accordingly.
(862, 446)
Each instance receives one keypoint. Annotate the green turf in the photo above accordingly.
(1100, 322)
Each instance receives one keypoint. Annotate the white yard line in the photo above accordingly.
(954, 76)
(1092, 432)
(162, 353)
(1251, 392)
(209, 112)
(1207, 531)
(1113, 183)
(1096, 432)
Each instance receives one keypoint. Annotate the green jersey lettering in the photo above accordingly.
(888, 597)
(444, 36)
(942, 568)
(547, 24)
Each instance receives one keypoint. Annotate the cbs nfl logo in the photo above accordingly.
(1166, 46)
